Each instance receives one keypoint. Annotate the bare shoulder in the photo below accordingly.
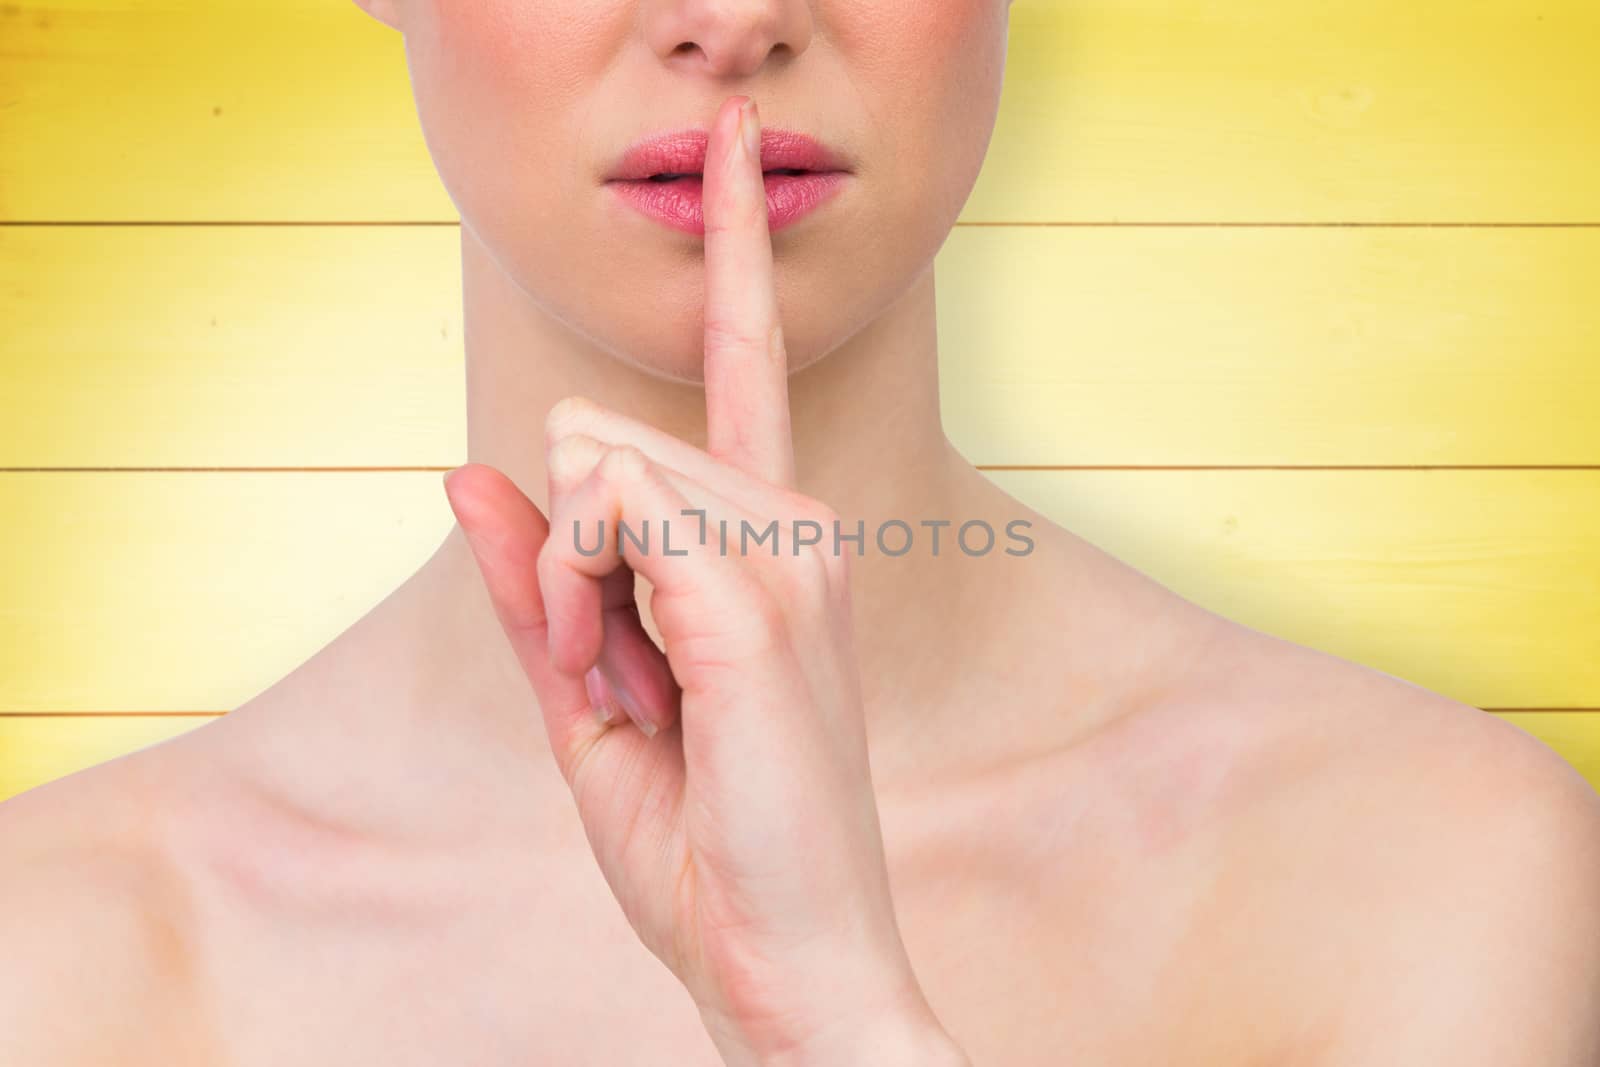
(1433, 870)
(94, 968)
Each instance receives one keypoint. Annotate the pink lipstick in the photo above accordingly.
(662, 177)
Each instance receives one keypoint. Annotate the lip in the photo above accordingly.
(679, 203)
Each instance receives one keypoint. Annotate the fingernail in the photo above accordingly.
(448, 473)
(749, 129)
(625, 700)
(599, 698)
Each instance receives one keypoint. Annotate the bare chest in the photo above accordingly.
(1042, 933)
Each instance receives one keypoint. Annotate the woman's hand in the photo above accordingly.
(737, 824)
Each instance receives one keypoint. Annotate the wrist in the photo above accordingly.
(910, 1036)
(869, 1010)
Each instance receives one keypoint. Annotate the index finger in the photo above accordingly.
(746, 365)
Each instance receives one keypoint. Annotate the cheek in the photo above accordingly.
(955, 59)
(480, 66)
(931, 73)
(945, 27)
(922, 40)
(496, 82)
(529, 52)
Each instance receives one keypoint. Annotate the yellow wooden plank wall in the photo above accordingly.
(1287, 304)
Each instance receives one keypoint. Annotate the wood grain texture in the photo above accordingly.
(1234, 236)
(166, 591)
(338, 346)
(1253, 110)
(35, 750)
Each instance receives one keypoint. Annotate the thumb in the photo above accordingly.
(506, 531)
(632, 786)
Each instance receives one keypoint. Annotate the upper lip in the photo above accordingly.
(684, 152)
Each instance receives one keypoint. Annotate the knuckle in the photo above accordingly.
(568, 415)
(822, 515)
(821, 566)
(551, 572)
(623, 463)
(828, 562)
(768, 625)
(547, 567)
(808, 509)
(571, 458)
(821, 573)
(575, 762)
(811, 575)
(802, 574)
(838, 566)
(724, 335)
(816, 518)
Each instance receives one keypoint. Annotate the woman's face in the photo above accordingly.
(527, 105)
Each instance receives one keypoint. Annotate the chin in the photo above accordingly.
(659, 329)
(684, 363)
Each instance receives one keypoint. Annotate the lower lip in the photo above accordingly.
(679, 204)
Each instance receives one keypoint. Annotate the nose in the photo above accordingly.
(726, 38)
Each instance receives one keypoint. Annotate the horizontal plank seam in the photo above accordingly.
(109, 714)
(1288, 467)
(1265, 224)
(979, 466)
(218, 714)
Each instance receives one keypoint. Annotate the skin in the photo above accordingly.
(1112, 827)
(734, 820)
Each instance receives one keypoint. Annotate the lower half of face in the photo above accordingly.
(526, 105)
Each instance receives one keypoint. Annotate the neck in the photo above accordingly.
(868, 442)
(865, 420)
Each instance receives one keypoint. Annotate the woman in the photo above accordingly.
(1098, 825)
